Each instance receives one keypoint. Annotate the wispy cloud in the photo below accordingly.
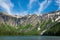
(30, 3)
(29, 6)
(43, 5)
(7, 5)
(24, 13)
(58, 4)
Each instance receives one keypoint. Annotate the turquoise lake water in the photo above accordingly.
(29, 38)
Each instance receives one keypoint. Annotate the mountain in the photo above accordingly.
(29, 24)
(14, 20)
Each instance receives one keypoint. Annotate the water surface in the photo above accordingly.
(29, 38)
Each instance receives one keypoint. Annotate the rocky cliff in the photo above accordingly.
(14, 21)
(27, 19)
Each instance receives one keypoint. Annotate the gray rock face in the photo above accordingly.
(7, 19)
(28, 19)
(14, 21)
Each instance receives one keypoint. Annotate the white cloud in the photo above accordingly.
(24, 13)
(43, 5)
(29, 6)
(7, 5)
(30, 3)
(58, 4)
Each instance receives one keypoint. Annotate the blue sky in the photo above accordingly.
(24, 7)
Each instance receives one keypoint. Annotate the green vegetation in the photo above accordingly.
(29, 29)
(54, 30)
(7, 30)
(14, 31)
(44, 24)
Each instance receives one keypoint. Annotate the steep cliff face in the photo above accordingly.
(14, 21)
(28, 19)
(7, 19)
(33, 19)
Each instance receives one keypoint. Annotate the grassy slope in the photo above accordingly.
(7, 30)
(10, 30)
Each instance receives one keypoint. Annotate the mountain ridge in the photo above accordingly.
(33, 19)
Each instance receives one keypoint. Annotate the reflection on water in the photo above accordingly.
(29, 38)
